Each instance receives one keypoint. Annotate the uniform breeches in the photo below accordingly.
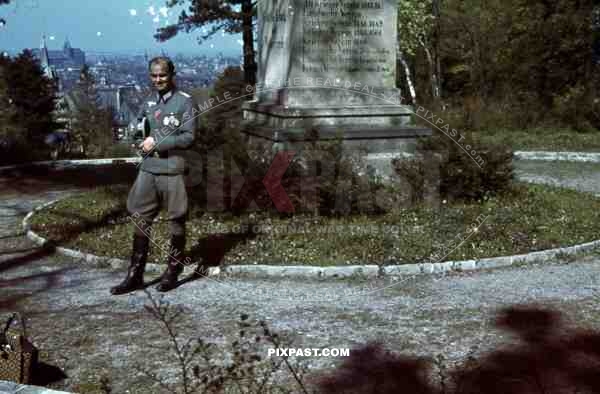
(149, 193)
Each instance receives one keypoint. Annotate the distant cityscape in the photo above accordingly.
(64, 65)
(121, 80)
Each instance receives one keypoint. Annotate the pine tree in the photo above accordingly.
(11, 133)
(32, 95)
(219, 15)
(91, 124)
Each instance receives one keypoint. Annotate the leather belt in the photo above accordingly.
(152, 154)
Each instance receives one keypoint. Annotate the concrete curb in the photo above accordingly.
(14, 388)
(590, 157)
(368, 271)
(585, 157)
(62, 164)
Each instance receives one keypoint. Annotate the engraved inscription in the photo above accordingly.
(344, 35)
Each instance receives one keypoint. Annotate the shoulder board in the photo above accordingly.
(184, 94)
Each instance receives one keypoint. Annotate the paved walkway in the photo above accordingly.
(89, 334)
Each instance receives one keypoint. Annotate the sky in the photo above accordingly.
(116, 26)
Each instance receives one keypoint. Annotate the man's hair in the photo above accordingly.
(164, 61)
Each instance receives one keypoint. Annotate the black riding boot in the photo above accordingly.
(168, 280)
(135, 274)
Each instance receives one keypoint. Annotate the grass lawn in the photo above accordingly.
(543, 139)
(532, 217)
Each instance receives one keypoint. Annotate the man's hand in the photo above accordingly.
(147, 145)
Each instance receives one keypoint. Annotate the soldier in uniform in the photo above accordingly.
(168, 114)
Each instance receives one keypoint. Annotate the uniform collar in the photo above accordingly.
(164, 98)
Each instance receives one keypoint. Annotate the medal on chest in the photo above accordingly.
(171, 120)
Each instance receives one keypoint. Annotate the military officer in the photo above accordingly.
(168, 113)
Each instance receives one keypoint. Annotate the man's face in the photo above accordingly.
(160, 77)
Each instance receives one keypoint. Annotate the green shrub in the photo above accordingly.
(321, 179)
(576, 109)
(342, 185)
(342, 191)
(221, 124)
(460, 176)
(21, 152)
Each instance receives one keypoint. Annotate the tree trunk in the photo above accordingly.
(592, 65)
(411, 87)
(436, 44)
(248, 38)
(435, 89)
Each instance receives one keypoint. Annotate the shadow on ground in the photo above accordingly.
(46, 374)
(548, 358)
(29, 179)
(210, 250)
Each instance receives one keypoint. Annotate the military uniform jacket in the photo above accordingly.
(172, 124)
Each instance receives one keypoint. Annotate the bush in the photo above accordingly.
(575, 108)
(220, 124)
(460, 177)
(342, 191)
(320, 180)
(323, 179)
(19, 152)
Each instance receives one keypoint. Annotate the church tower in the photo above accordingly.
(45, 60)
(67, 49)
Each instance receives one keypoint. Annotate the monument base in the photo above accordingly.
(375, 137)
(274, 114)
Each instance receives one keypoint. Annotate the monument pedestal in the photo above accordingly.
(374, 135)
(330, 67)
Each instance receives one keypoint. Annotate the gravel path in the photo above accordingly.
(88, 334)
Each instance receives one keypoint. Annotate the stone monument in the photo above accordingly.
(330, 65)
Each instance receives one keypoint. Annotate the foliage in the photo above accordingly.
(531, 62)
(418, 23)
(27, 99)
(3, 2)
(221, 14)
(461, 176)
(572, 107)
(415, 22)
(91, 125)
(217, 15)
(253, 157)
(32, 95)
(10, 132)
(219, 125)
(224, 121)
